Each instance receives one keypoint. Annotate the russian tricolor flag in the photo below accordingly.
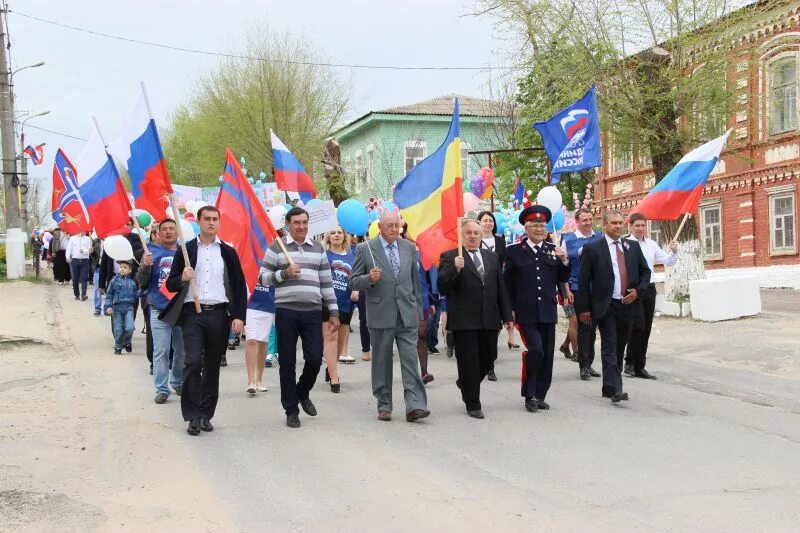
(520, 196)
(679, 191)
(101, 189)
(289, 173)
(140, 148)
(35, 153)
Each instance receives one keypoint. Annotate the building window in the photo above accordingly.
(416, 151)
(361, 172)
(654, 231)
(783, 95)
(369, 175)
(623, 158)
(711, 230)
(782, 223)
(464, 160)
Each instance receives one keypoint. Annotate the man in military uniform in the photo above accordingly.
(533, 270)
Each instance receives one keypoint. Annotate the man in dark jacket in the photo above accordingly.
(612, 275)
(214, 276)
(477, 302)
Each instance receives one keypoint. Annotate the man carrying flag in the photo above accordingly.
(676, 195)
(572, 137)
(430, 197)
(68, 209)
(289, 173)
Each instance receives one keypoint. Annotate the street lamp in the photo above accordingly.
(24, 176)
(35, 65)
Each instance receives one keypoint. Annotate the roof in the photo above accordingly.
(440, 106)
(443, 105)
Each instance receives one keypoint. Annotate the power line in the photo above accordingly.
(237, 56)
(52, 131)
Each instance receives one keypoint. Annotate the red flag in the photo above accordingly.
(67, 206)
(243, 221)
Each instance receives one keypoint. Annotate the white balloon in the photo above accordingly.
(550, 197)
(188, 230)
(118, 248)
(277, 215)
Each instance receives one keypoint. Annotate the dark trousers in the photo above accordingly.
(363, 330)
(615, 328)
(205, 338)
(147, 331)
(587, 333)
(476, 351)
(290, 325)
(432, 334)
(636, 354)
(80, 276)
(537, 359)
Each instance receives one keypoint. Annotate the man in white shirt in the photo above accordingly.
(78, 249)
(636, 354)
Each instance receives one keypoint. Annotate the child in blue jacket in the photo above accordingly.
(121, 294)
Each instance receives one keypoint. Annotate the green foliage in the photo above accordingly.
(3, 253)
(235, 105)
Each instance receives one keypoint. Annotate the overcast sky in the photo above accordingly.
(87, 75)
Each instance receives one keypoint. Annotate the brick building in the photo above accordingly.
(748, 213)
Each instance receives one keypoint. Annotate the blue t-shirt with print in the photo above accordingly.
(341, 268)
(262, 299)
(574, 243)
(157, 294)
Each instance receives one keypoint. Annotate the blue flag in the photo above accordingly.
(572, 137)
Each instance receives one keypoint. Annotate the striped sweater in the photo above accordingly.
(312, 289)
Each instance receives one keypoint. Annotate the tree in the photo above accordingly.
(660, 67)
(236, 104)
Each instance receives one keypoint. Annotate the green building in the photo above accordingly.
(379, 148)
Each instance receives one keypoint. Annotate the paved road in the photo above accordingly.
(713, 445)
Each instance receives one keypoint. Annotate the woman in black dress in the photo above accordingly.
(58, 250)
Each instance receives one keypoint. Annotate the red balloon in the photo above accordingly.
(189, 216)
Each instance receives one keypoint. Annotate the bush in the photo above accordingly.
(3, 253)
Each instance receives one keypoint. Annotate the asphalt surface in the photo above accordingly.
(712, 445)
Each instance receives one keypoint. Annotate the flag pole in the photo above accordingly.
(460, 238)
(176, 216)
(131, 213)
(680, 228)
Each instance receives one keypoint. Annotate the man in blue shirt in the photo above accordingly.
(574, 243)
(152, 275)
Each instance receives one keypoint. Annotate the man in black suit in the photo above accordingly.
(534, 269)
(612, 275)
(219, 281)
(477, 305)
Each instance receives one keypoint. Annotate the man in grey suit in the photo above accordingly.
(386, 269)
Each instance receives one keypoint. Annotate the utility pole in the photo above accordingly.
(8, 146)
(15, 237)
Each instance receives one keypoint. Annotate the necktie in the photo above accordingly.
(623, 268)
(393, 260)
(476, 259)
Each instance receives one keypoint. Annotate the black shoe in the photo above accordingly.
(161, 397)
(308, 407)
(543, 405)
(231, 346)
(585, 374)
(434, 350)
(194, 427)
(565, 351)
(531, 405)
(293, 421)
(450, 351)
(491, 376)
(205, 424)
(128, 348)
(178, 390)
(223, 361)
(97, 313)
(594, 373)
(77, 298)
(475, 413)
(336, 388)
(84, 298)
(151, 370)
(644, 374)
(629, 370)
(117, 351)
(619, 396)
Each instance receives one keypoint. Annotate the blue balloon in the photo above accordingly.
(196, 228)
(389, 206)
(500, 221)
(374, 215)
(262, 175)
(250, 180)
(288, 206)
(313, 201)
(557, 222)
(352, 217)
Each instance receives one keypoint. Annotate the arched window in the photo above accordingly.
(783, 95)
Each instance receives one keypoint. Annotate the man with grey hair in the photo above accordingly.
(386, 269)
(612, 275)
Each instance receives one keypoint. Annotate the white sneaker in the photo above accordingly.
(346, 359)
